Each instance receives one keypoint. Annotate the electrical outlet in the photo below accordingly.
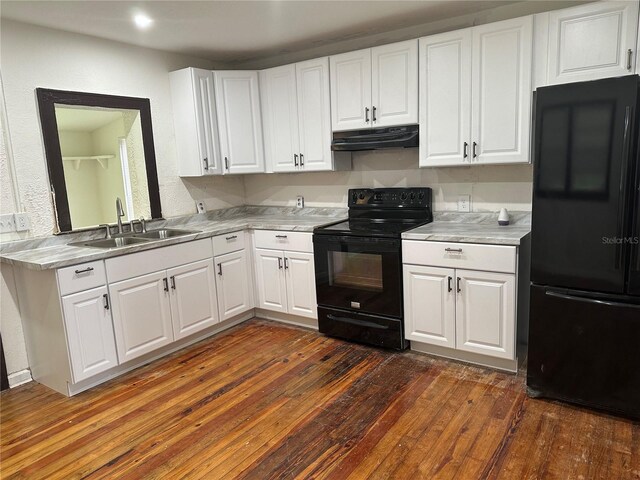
(22, 222)
(300, 201)
(464, 203)
(7, 223)
(200, 206)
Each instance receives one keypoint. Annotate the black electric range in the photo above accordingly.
(358, 265)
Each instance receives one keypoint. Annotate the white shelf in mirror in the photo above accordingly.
(101, 159)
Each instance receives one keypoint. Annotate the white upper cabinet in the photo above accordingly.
(375, 87)
(280, 112)
(394, 84)
(501, 91)
(314, 114)
(475, 102)
(297, 117)
(195, 123)
(239, 122)
(587, 42)
(445, 98)
(350, 90)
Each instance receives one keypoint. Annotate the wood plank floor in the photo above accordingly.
(267, 401)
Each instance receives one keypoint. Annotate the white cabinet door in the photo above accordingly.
(87, 320)
(196, 129)
(301, 284)
(233, 284)
(193, 298)
(239, 122)
(430, 305)
(394, 84)
(445, 99)
(270, 280)
(486, 313)
(314, 114)
(280, 114)
(592, 41)
(141, 315)
(501, 91)
(350, 90)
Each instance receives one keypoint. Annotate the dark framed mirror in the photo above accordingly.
(98, 148)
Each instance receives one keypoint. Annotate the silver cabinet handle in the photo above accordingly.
(105, 299)
(366, 114)
(373, 112)
(220, 269)
(286, 263)
(455, 250)
(280, 263)
(295, 159)
(206, 163)
(85, 270)
(629, 55)
(166, 284)
(173, 282)
(281, 236)
(458, 285)
(232, 237)
(301, 160)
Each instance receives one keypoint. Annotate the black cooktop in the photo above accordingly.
(383, 212)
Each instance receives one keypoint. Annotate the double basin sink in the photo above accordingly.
(134, 238)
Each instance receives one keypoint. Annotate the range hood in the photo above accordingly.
(375, 139)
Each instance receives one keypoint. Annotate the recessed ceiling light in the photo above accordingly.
(142, 21)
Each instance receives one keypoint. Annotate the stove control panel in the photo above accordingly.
(390, 197)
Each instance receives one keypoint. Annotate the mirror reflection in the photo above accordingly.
(103, 159)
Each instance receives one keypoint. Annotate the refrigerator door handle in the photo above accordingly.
(622, 210)
(591, 300)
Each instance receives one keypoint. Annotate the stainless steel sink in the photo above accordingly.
(115, 242)
(164, 233)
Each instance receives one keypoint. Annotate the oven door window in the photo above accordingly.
(361, 271)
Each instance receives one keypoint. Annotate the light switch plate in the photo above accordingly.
(464, 203)
(300, 201)
(200, 207)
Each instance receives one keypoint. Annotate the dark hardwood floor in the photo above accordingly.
(266, 401)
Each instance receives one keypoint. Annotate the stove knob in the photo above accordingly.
(413, 195)
(354, 196)
(403, 196)
(421, 196)
(361, 196)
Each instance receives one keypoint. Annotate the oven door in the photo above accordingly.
(359, 273)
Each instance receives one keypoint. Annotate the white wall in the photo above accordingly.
(39, 57)
(490, 187)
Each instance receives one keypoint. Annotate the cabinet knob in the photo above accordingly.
(465, 150)
(206, 163)
(220, 269)
(105, 299)
(629, 59)
(295, 159)
(366, 114)
(453, 250)
(226, 163)
(373, 112)
(458, 285)
(475, 153)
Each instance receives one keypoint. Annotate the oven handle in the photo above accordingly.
(360, 323)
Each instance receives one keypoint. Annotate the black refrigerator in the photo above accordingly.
(584, 330)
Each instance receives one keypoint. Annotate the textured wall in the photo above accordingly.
(38, 57)
(490, 187)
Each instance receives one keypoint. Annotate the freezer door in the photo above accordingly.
(582, 174)
(585, 350)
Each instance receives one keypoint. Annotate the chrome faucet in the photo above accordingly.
(119, 213)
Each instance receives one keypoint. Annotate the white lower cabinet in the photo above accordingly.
(193, 298)
(467, 310)
(87, 320)
(233, 284)
(286, 282)
(141, 314)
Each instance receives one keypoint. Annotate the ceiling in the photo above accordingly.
(238, 31)
(85, 119)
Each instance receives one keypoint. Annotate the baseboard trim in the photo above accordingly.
(467, 357)
(19, 378)
(298, 321)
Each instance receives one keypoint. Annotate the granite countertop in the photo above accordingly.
(54, 252)
(473, 228)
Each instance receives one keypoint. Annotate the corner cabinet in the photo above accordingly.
(587, 42)
(375, 87)
(461, 300)
(297, 118)
(239, 122)
(475, 95)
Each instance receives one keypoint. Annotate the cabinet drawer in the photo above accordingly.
(229, 242)
(81, 277)
(283, 240)
(472, 256)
